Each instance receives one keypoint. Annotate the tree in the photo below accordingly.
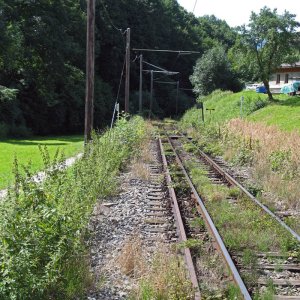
(213, 71)
(268, 40)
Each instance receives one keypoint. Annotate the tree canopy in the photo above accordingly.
(265, 43)
(213, 71)
(42, 57)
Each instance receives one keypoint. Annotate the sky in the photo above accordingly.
(237, 12)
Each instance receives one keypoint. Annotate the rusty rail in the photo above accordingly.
(231, 180)
(180, 226)
(212, 228)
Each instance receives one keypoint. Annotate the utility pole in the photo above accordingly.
(90, 63)
(141, 85)
(127, 78)
(177, 97)
(151, 94)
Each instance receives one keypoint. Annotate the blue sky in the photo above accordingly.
(237, 12)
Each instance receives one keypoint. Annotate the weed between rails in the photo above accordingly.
(143, 157)
(242, 225)
(43, 225)
(272, 157)
(213, 276)
(166, 279)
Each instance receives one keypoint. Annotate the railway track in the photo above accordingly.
(175, 205)
(271, 268)
(170, 213)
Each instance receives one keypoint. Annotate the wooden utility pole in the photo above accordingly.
(90, 63)
(141, 85)
(151, 94)
(127, 78)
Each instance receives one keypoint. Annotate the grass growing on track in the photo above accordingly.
(269, 153)
(26, 150)
(242, 225)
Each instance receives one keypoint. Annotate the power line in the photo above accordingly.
(120, 30)
(157, 67)
(166, 82)
(164, 50)
(195, 5)
(118, 93)
(165, 72)
(109, 18)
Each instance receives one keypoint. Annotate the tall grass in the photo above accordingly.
(43, 225)
(166, 279)
(275, 157)
(271, 154)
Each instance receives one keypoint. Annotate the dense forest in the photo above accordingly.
(42, 59)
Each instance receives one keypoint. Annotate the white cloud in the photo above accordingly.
(237, 12)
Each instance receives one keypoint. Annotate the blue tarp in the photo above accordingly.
(290, 88)
(261, 89)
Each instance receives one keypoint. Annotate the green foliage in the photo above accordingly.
(279, 159)
(197, 222)
(244, 156)
(3, 130)
(244, 225)
(42, 225)
(42, 55)
(11, 118)
(226, 105)
(166, 280)
(192, 244)
(215, 96)
(268, 40)
(281, 162)
(213, 71)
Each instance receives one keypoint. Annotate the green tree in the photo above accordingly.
(213, 71)
(268, 40)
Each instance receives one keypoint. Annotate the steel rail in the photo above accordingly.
(231, 180)
(236, 276)
(180, 226)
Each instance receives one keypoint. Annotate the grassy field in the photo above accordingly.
(27, 150)
(227, 105)
(284, 112)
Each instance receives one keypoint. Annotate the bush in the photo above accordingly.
(42, 225)
(3, 130)
(19, 131)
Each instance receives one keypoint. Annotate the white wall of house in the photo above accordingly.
(292, 76)
(283, 76)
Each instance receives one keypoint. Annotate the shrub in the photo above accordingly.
(19, 131)
(3, 130)
(42, 225)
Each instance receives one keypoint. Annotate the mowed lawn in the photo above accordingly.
(27, 150)
(284, 113)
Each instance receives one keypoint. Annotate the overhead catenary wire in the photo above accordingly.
(118, 93)
(154, 66)
(109, 18)
(194, 6)
(181, 53)
(165, 50)
(120, 30)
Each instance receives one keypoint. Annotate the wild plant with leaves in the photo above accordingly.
(43, 225)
